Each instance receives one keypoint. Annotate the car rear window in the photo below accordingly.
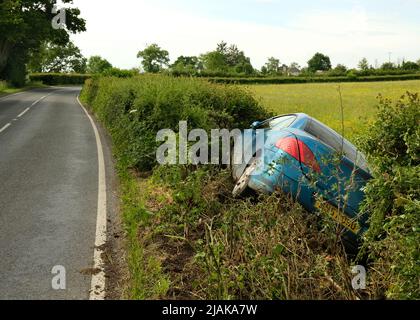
(337, 142)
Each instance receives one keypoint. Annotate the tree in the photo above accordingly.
(294, 69)
(55, 58)
(363, 64)
(154, 59)
(24, 26)
(409, 65)
(97, 64)
(227, 59)
(187, 64)
(418, 62)
(273, 66)
(339, 70)
(388, 66)
(319, 62)
(294, 65)
(214, 61)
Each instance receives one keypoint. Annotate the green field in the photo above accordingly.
(321, 100)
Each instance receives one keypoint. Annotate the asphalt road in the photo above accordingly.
(48, 194)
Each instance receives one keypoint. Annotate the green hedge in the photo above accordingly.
(135, 109)
(59, 78)
(318, 79)
(392, 146)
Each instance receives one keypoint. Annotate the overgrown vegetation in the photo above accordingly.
(353, 77)
(136, 109)
(216, 247)
(59, 78)
(187, 237)
(392, 145)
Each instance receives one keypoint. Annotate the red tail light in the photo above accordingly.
(300, 151)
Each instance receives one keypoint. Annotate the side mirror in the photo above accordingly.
(255, 124)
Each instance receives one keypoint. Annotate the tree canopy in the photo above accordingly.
(56, 58)
(363, 64)
(409, 65)
(24, 26)
(272, 67)
(154, 59)
(319, 62)
(97, 64)
(227, 59)
(187, 64)
(388, 66)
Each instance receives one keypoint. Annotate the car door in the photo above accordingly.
(343, 168)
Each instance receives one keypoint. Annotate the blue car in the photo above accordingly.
(311, 162)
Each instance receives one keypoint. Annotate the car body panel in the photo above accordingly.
(340, 182)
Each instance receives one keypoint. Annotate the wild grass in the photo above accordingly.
(147, 281)
(322, 101)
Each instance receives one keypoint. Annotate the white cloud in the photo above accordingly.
(118, 32)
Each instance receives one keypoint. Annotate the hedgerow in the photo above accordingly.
(392, 144)
(59, 78)
(135, 109)
(315, 79)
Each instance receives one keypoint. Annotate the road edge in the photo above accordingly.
(98, 281)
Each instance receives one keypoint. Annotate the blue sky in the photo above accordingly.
(346, 30)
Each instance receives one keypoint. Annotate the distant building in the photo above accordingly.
(293, 72)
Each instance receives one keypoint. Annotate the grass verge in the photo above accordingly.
(5, 89)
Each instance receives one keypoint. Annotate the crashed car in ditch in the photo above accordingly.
(314, 164)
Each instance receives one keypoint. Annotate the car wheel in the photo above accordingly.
(242, 183)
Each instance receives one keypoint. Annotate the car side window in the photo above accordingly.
(322, 133)
(279, 123)
(337, 142)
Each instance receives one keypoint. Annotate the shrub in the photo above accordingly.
(59, 78)
(392, 145)
(135, 109)
(3, 85)
(119, 73)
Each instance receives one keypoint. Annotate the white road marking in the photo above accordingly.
(39, 100)
(22, 113)
(5, 127)
(27, 109)
(97, 287)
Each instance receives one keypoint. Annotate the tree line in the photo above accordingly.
(29, 44)
(224, 60)
(229, 59)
